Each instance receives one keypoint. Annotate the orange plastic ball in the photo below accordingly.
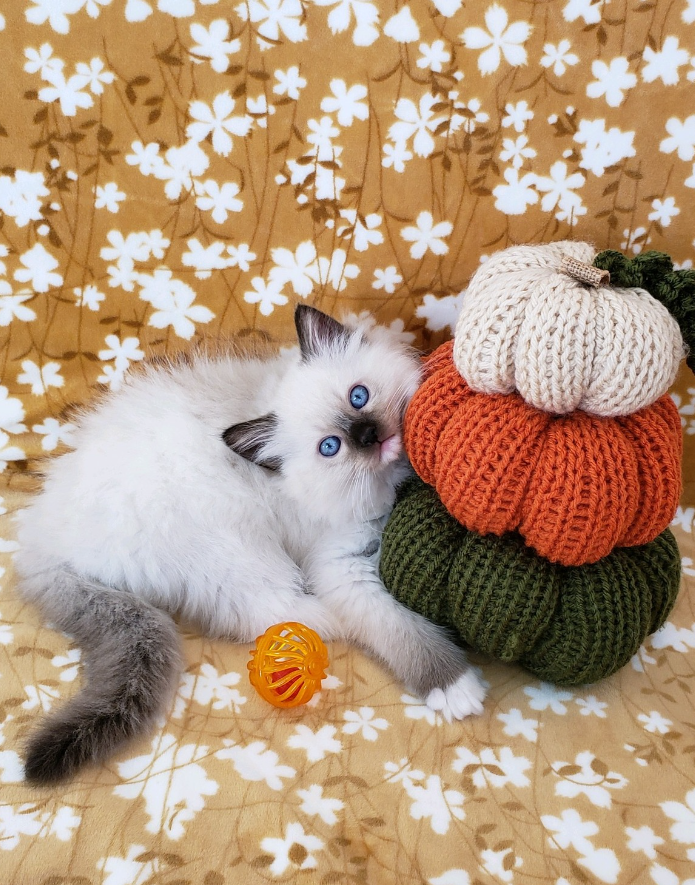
(288, 664)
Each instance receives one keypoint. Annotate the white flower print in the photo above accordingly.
(173, 300)
(591, 706)
(466, 115)
(289, 82)
(684, 518)
(315, 803)
(8, 453)
(211, 687)
(6, 632)
(516, 151)
(558, 191)
(683, 830)
(500, 39)
(267, 295)
(259, 110)
(40, 60)
(347, 102)
(681, 138)
(145, 157)
(41, 378)
(240, 256)
(515, 724)
(39, 269)
(416, 708)
(218, 121)
(664, 64)
(336, 271)
(635, 240)
(94, 75)
(129, 870)
(663, 876)
(416, 122)
(67, 92)
(497, 863)
(363, 235)
(123, 353)
(643, 839)
(218, 199)
(181, 166)
(12, 307)
(570, 830)
(22, 821)
(11, 413)
(316, 744)
(427, 235)
(431, 800)
(275, 19)
(108, 197)
(204, 259)
(401, 772)
(69, 664)
(680, 639)
(612, 80)
(440, 313)
(170, 781)
(559, 57)
(654, 722)
(366, 17)
(603, 147)
(54, 433)
(663, 211)
(402, 27)
(363, 721)
(517, 115)
(514, 197)
(387, 279)
(280, 849)
(20, 198)
(40, 696)
(434, 56)
(299, 268)
(588, 778)
(256, 763)
(450, 877)
(589, 10)
(88, 296)
(396, 156)
(548, 696)
(55, 13)
(213, 43)
(491, 769)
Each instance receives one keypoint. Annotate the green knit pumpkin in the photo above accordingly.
(653, 271)
(566, 625)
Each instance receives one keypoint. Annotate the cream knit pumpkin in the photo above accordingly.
(563, 344)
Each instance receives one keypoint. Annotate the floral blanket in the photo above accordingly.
(178, 169)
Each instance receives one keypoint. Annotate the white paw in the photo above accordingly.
(464, 698)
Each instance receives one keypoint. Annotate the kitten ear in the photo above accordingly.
(250, 438)
(317, 331)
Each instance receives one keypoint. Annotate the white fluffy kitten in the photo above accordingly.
(236, 493)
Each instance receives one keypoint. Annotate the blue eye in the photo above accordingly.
(359, 396)
(329, 446)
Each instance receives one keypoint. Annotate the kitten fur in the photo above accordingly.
(198, 490)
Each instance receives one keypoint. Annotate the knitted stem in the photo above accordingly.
(653, 271)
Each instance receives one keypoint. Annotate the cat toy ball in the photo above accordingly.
(288, 664)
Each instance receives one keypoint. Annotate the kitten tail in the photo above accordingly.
(132, 662)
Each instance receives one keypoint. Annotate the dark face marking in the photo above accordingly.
(249, 439)
(364, 433)
(316, 331)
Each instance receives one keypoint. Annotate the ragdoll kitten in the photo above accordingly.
(236, 493)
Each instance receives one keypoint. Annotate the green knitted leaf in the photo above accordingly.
(653, 271)
(570, 626)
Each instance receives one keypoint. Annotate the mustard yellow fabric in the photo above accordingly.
(172, 170)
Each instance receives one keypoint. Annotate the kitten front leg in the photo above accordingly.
(418, 652)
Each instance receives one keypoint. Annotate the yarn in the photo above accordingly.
(574, 486)
(653, 271)
(527, 326)
(569, 626)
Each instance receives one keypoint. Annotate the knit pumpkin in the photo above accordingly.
(528, 326)
(569, 626)
(654, 271)
(574, 486)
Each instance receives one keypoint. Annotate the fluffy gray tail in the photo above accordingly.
(132, 661)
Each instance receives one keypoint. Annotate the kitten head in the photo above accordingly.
(334, 434)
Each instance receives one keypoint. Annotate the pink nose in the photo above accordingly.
(391, 448)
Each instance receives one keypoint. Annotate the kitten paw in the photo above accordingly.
(464, 698)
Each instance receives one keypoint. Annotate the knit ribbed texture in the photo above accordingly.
(569, 626)
(526, 326)
(653, 271)
(574, 486)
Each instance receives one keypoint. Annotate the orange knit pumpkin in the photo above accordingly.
(574, 486)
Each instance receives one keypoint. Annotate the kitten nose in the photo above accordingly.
(364, 433)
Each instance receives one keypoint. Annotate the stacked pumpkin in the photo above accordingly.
(549, 460)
